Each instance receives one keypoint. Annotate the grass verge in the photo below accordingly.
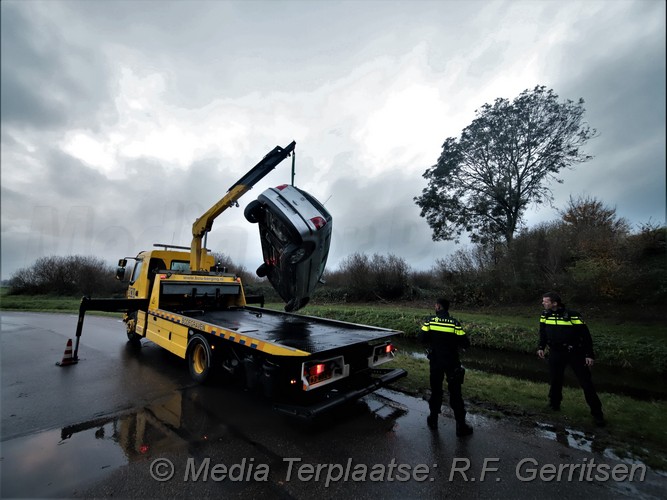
(39, 303)
(623, 344)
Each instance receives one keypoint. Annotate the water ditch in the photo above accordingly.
(626, 381)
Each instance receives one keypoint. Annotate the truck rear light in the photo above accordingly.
(319, 222)
(281, 187)
(322, 372)
(316, 370)
(381, 354)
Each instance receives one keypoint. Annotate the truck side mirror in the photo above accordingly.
(120, 270)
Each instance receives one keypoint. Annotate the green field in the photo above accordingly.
(43, 303)
(618, 343)
(636, 427)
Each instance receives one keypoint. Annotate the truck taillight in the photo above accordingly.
(281, 187)
(316, 370)
(381, 354)
(322, 372)
(318, 222)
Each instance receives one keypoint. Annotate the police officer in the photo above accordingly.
(570, 343)
(444, 336)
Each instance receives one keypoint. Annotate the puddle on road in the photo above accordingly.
(63, 462)
(584, 441)
(45, 465)
(59, 462)
(567, 436)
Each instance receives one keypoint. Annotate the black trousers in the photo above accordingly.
(558, 360)
(454, 381)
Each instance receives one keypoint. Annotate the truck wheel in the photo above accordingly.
(252, 211)
(134, 338)
(199, 358)
(131, 328)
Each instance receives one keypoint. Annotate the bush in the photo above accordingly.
(552, 256)
(73, 275)
(223, 261)
(372, 278)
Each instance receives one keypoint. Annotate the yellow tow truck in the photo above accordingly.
(178, 299)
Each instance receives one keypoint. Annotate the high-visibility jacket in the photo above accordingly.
(444, 336)
(565, 330)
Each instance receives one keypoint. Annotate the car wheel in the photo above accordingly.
(296, 304)
(297, 254)
(252, 211)
(262, 270)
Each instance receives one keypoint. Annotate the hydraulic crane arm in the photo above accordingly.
(204, 223)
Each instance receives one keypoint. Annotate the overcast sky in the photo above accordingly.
(123, 121)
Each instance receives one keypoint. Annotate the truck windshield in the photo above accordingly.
(136, 270)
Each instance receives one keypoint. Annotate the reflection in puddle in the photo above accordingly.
(64, 462)
(384, 408)
(58, 462)
(44, 465)
(583, 441)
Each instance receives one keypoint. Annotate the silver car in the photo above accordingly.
(295, 231)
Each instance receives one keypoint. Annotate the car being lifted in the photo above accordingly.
(295, 232)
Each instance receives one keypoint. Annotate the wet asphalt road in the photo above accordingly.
(129, 423)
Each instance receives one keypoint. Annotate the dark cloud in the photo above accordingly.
(23, 100)
(46, 80)
(116, 74)
(67, 177)
(378, 215)
(624, 89)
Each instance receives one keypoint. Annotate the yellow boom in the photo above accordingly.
(204, 223)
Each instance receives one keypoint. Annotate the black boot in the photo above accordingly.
(599, 420)
(463, 429)
(432, 421)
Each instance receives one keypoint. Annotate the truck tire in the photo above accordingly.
(200, 358)
(252, 211)
(131, 328)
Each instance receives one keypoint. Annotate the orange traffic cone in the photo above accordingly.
(68, 359)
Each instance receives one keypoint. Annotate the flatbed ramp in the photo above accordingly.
(306, 333)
